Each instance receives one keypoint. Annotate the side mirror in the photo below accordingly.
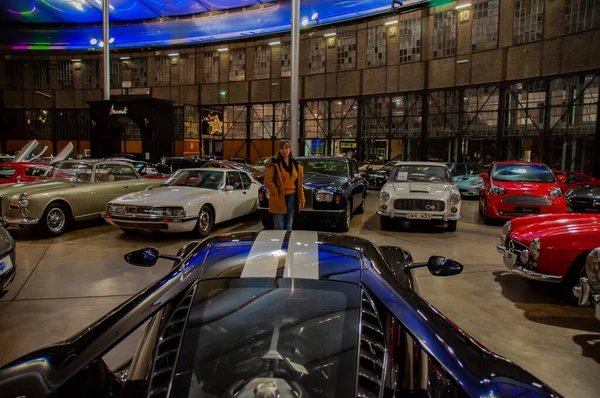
(143, 258)
(229, 188)
(442, 266)
(485, 176)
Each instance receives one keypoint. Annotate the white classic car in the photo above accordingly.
(191, 200)
(419, 191)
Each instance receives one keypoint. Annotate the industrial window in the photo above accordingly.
(234, 122)
(407, 116)
(525, 108)
(116, 78)
(187, 69)
(261, 121)
(282, 116)
(346, 51)
(343, 118)
(316, 55)
(286, 66)
(139, 72)
(376, 46)
(14, 75)
(90, 74)
(410, 40)
(178, 122)
(316, 114)
(72, 124)
(65, 75)
(237, 65)
(262, 62)
(574, 105)
(132, 131)
(41, 74)
(529, 21)
(39, 124)
(581, 15)
(162, 70)
(443, 113)
(480, 116)
(211, 67)
(444, 34)
(485, 24)
(191, 124)
(375, 117)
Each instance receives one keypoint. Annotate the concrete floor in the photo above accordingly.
(64, 284)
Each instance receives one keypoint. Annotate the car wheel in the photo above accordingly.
(206, 222)
(452, 224)
(361, 208)
(267, 220)
(486, 214)
(344, 223)
(386, 222)
(575, 272)
(55, 220)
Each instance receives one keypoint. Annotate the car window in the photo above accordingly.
(110, 172)
(35, 172)
(246, 180)
(233, 179)
(6, 172)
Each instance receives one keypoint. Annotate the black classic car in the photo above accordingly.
(377, 174)
(7, 258)
(334, 191)
(276, 314)
(584, 198)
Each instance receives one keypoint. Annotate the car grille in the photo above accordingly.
(419, 204)
(137, 210)
(528, 200)
(308, 196)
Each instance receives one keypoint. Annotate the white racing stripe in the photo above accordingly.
(302, 259)
(264, 255)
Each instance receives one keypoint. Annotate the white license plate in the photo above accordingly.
(6, 265)
(419, 216)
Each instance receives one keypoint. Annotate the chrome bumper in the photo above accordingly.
(510, 261)
(437, 217)
(20, 221)
(586, 295)
(150, 218)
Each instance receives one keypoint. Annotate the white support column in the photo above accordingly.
(106, 49)
(295, 55)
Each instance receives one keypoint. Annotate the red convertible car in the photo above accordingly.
(515, 189)
(572, 179)
(550, 247)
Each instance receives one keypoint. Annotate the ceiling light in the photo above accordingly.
(304, 21)
(222, 49)
(124, 58)
(391, 22)
(93, 42)
(111, 40)
(174, 55)
(76, 60)
(101, 44)
(462, 6)
(274, 43)
(329, 34)
(314, 16)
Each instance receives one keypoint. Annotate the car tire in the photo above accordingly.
(344, 223)
(487, 220)
(361, 208)
(206, 222)
(267, 220)
(575, 272)
(452, 224)
(55, 220)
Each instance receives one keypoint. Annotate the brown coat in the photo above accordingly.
(274, 183)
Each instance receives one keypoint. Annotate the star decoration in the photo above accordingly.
(216, 126)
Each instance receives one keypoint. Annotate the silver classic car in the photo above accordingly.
(73, 190)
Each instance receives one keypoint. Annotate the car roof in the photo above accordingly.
(417, 163)
(520, 162)
(325, 158)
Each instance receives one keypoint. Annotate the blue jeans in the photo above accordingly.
(285, 221)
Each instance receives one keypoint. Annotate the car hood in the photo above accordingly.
(558, 229)
(526, 188)
(467, 181)
(36, 186)
(420, 188)
(591, 191)
(314, 181)
(164, 196)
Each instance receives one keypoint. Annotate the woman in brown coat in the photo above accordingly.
(284, 181)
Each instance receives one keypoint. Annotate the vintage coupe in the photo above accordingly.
(515, 189)
(276, 314)
(191, 200)
(419, 191)
(333, 188)
(8, 265)
(377, 174)
(469, 184)
(26, 167)
(573, 179)
(584, 198)
(73, 190)
(550, 247)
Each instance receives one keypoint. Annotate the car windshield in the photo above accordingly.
(81, 171)
(208, 179)
(300, 333)
(420, 173)
(523, 173)
(6, 172)
(332, 167)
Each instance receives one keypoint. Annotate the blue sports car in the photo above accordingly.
(276, 314)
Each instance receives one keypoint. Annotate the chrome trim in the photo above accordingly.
(150, 218)
(20, 221)
(437, 217)
(510, 261)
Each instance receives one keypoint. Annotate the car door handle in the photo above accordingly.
(245, 192)
(126, 187)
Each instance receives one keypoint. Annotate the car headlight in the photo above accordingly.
(506, 228)
(534, 248)
(384, 196)
(114, 209)
(454, 198)
(324, 197)
(555, 192)
(496, 190)
(23, 200)
(592, 268)
(475, 183)
(168, 211)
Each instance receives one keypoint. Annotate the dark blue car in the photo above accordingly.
(276, 314)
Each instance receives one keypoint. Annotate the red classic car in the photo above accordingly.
(515, 189)
(550, 247)
(27, 168)
(572, 179)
